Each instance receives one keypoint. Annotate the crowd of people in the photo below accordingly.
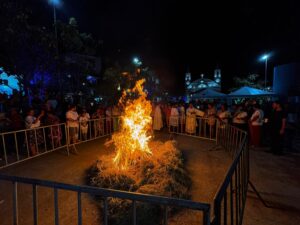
(89, 119)
(262, 123)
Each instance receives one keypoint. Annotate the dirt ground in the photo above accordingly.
(275, 177)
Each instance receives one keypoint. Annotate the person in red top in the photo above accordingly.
(167, 111)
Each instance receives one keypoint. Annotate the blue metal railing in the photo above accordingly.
(229, 201)
(104, 193)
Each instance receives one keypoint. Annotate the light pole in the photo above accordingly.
(137, 62)
(265, 58)
(54, 3)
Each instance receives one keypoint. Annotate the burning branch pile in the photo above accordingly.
(139, 165)
(131, 141)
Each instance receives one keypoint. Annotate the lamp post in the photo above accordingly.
(54, 3)
(137, 62)
(265, 58)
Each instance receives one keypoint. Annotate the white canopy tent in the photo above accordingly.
(249, 92)
(208, 94)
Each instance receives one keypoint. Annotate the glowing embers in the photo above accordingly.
(131, 141)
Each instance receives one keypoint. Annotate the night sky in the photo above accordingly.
(171, 36)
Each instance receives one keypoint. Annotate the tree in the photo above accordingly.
(252, 80)
(31, 50)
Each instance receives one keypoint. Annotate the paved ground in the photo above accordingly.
(207, 169)
(276, 177)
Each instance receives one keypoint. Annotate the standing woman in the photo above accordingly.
(157, 120)
(211, 119)
(72, 123)
(190, 125)
(34, 136)
(174, 119)
(84, 124)
(256, 122)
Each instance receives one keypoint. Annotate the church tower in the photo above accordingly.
(188, 80)
(217, 76)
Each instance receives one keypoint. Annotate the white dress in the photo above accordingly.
(174, 117)
(157, 121)
(181, 115)
(84, 125)
(190, 126)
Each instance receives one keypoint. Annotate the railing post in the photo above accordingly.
(36, 142)
(27, 146)
(67, 138)
(134, 212)
(56, 214)
(15, 203)
(206, 216)
(4, 149)
(79, 208)
(217, 212)
(45, 140)
(35, 205)
(166, 215)
(105, 208)
(16, 145)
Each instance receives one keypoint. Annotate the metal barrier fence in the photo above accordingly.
(194, 126)
(105, 194)
(230, 137)
(230, 200)
(21, 145)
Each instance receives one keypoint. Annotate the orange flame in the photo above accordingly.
(132, 140)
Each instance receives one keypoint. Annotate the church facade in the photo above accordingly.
(198, 85)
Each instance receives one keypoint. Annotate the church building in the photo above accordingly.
(198, 85)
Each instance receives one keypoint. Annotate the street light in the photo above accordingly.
(136, 61)
(55, 3)
(265, 58)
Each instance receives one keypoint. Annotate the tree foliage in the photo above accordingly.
(252, 80)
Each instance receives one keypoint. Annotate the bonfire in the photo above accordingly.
(132, 140)
(139, 164)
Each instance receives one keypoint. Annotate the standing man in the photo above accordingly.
(277, 125)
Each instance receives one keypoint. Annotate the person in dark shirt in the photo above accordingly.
(277, 127)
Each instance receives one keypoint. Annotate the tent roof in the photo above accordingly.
(249, 91)
(209, 93)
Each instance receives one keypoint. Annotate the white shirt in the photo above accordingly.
(83, 119)
(174, 112)
(71, 115)
(29, 122)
